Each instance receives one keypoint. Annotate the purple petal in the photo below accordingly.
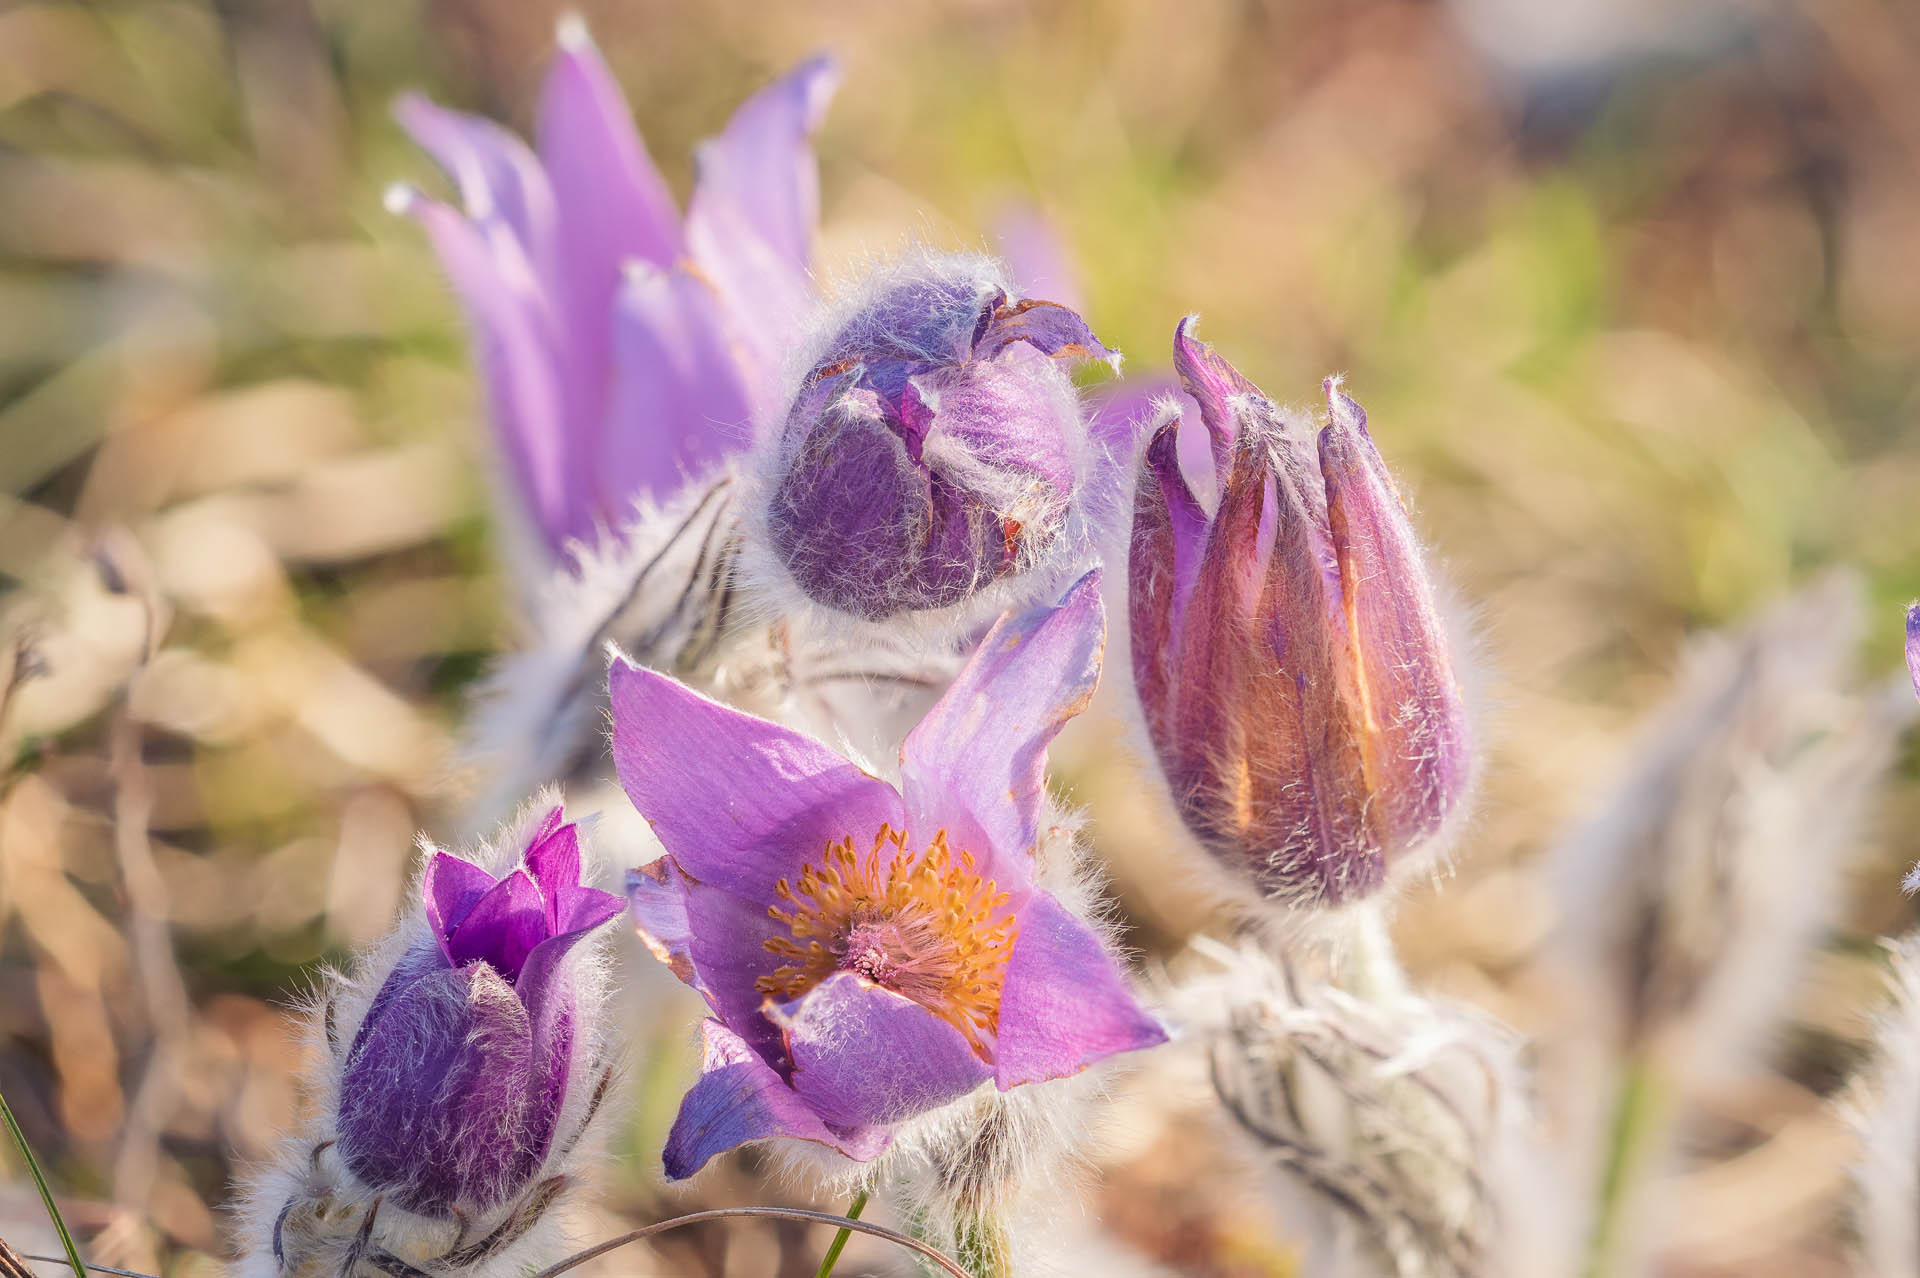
(1065, 1003)
(1214, 385)
(435, 1099)
(502, 928)
(679, 397)
(657, 901)
(739, 802)
(1048, 327)
(863, 1055)
(613, 205)
(1412, 722)
(512, 338)
(553, 858)
(545, 986)
(497, 175)
(452, 888)
(1913, 646)
(751, 220)
(976, 764)
(762, 164)
(739, 1098)
(712, 940)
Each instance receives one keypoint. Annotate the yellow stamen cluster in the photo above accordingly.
(927, 927)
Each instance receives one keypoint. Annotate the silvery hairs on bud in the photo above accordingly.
(665, 592)
(1409, 1117)
(1883, 1106)
(933, 467)
(494, 1207)
(1694, 891)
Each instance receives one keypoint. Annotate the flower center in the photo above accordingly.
(925, 926)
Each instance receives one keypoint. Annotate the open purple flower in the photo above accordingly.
(454, 1084)
(623, 348)
(936, 446)
(870, 953)
(1287, 651)
(1913, 645)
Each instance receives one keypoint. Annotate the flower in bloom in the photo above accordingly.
(935, 447)
(1287, 651)
(455, 1082)
(623, 347)
(1913, 645)
(870, 953)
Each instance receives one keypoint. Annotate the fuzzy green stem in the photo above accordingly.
(1639, 1111)
(983, 1248)
(839, 1243)
(46, 1194)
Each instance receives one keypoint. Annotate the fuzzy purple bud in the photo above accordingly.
(936, 445)
(455, 1082)
(1287, 651)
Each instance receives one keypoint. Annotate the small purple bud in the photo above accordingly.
(936, 445)
(1288, 654)
(455, 1082)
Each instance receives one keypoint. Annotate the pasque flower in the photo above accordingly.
(935, 447)
(870, 953)
(623, 347)
(455, 1081)
(1291, 663)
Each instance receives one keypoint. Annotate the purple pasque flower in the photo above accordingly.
(936, 446)
(623, 347)
(1287, 650)
(870, 953)
(1913, 645)
(454, 1084)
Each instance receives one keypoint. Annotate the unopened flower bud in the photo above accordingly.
(1289, 657)
(936, 445)
(463, 1072)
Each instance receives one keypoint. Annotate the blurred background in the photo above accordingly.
(1631, 292)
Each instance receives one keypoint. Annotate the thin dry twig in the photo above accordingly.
(769, 1213)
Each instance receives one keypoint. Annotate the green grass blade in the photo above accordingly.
(832, 1257)
(46, 1194)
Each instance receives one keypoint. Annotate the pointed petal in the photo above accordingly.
(1048, 327)
(613, 205)
(1066, 1002)
(503, 927)
(554, 861)
(1163, 560)
(511, 334)
(976, 764)
(679, 396)
(497, 175)
(452, 888)
(762, 165)
(1214, 385)
(1410, 714)
(739, 1098)
(657, 902)
(863, 1055)
(613, 202)
(740, 803)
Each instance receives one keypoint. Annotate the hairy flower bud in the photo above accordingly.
(1286, 647)
(462, 1073)
(934, 448)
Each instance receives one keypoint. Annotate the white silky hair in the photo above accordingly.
(304, 1214)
